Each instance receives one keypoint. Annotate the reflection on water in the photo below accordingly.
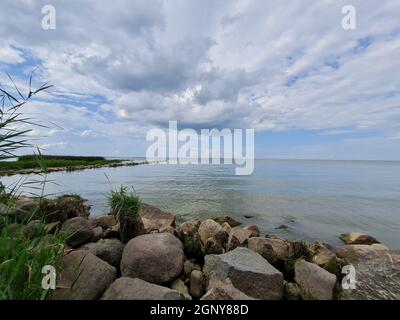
(315, 199)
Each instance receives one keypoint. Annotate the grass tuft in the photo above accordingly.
(123, 203)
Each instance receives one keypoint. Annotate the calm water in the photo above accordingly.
(317, 200)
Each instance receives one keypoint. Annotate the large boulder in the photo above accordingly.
(274, 250)
(109, 250)
(154, 219)
(357, 238)
(248, 271)
(377, 277)
(78, 230)
(224, 290)
(156, 258)
(125, 288)
(315, 283)
(83, 277)
(188, 233)
(356, 252)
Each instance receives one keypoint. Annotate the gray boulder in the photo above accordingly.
(315, 283)
(136, 289)
(356, 252)
(83, 277)
(377, 277)
(248, 272)
(156, 258)
(78, 230)
(109, 250)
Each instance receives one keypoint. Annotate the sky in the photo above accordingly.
(288, 69)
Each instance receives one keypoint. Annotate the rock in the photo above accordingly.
(16, 229)
(97, 234)
(52, 227)
(113, 232)
(197, 283)
(208, 229)
(131, 227)
(189, 266)
(296, 250)
(105, 221)
(125, 288)
(254, 231)
(109, 250)
(155, 219)
(282, 227)
(248, 272)
(33, 229)
(78, 230)
(226, 227)
(377, 277)
(23, 209)
(188, 233)
(67, 207)
(212, 246)
(229, 220)
(156, 258)
(224, 290)
(274, 250)
(188, 227)
(292, 291)
(354, 252)
(83, 277)
(324, 257)
(180, 286)
(238, 238)
(357, 238)
(315, 283)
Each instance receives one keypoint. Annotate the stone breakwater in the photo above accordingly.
(71, 168)
(214, 259)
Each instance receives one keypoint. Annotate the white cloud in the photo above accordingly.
(268, 65)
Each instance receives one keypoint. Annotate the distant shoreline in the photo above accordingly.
(71, 167)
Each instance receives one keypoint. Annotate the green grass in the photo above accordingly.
(51, 163)
(22, 258)
(123, 203)
(58, 157)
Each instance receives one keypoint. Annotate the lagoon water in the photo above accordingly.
(316, 200)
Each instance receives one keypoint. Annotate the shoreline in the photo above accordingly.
(213, 259)
(70, 168)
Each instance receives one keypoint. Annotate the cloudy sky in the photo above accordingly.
(288, 69)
